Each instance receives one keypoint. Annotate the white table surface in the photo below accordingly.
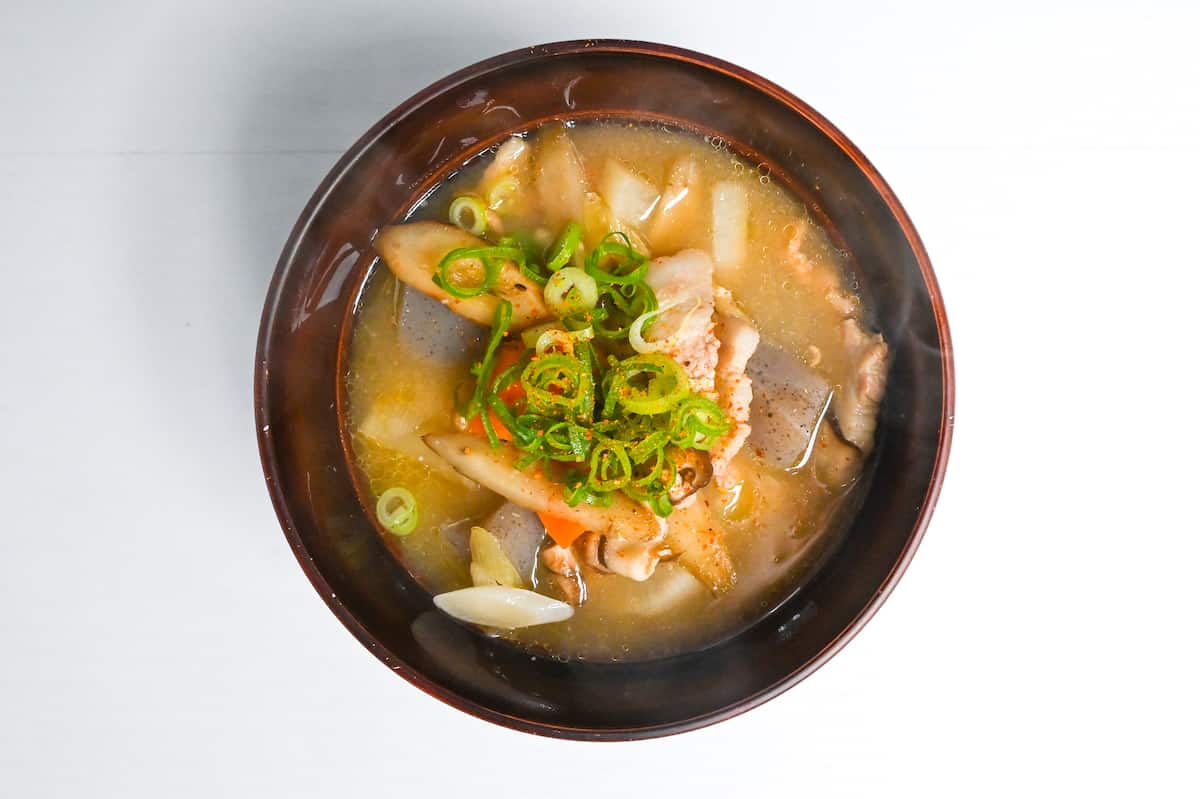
(157, 637)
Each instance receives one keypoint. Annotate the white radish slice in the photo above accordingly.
(730, 225)
(630, 197)
(559, 179)
(503, 607)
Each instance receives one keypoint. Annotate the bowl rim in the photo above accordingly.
(753, 82)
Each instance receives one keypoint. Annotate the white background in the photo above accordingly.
(157, 637)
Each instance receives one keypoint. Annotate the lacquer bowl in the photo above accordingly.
(304, 331)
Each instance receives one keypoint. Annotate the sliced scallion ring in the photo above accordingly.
(571, 290)
(469, 213)
(649, 384)
(555, 340)
(560, 254)
(628, 266)
(397, 511)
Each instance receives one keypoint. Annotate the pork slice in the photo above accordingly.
(857, 406)
(738, 341)
(684, 284)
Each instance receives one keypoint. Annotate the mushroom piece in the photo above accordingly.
(606, 554)
(693, 471)
(567, 574)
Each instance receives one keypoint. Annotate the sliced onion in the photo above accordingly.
(501, 606)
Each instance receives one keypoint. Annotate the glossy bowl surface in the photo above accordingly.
(304, 330)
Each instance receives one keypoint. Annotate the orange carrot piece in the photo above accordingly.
(562, 531)
(502, 432)
(506, 356)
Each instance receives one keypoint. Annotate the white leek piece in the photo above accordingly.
(502, 606)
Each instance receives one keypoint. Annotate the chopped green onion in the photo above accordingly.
(524, 242)
(628, 266)
(483, 369)
(561, 340)
(649, 384)
(469, 213)
(697, 422)
(530, 335)
(610, 467)
(512, 374)
(570, 291)
(638, 341)
(596, 425)
(559, 385)
(647, 446)
(564, 248)
(397, 511)
(659, 501)
(490, 259)
(621, 305)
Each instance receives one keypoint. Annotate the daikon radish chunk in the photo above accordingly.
(730, 225)
(630, 197)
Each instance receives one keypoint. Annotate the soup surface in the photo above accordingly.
(748, 271)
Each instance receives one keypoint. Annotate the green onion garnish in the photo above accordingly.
(483, 369)
(559, 385)
(488, 260)
(649, 384)
(469, 213)
(616, 261)
(697, 422)
(564, 248)
(595, 422)
(397, 511)
(571, 291)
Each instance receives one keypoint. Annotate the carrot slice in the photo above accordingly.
(562, 531)
(476, 426)
(506, 356)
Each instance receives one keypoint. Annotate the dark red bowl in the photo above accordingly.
(326, 262)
